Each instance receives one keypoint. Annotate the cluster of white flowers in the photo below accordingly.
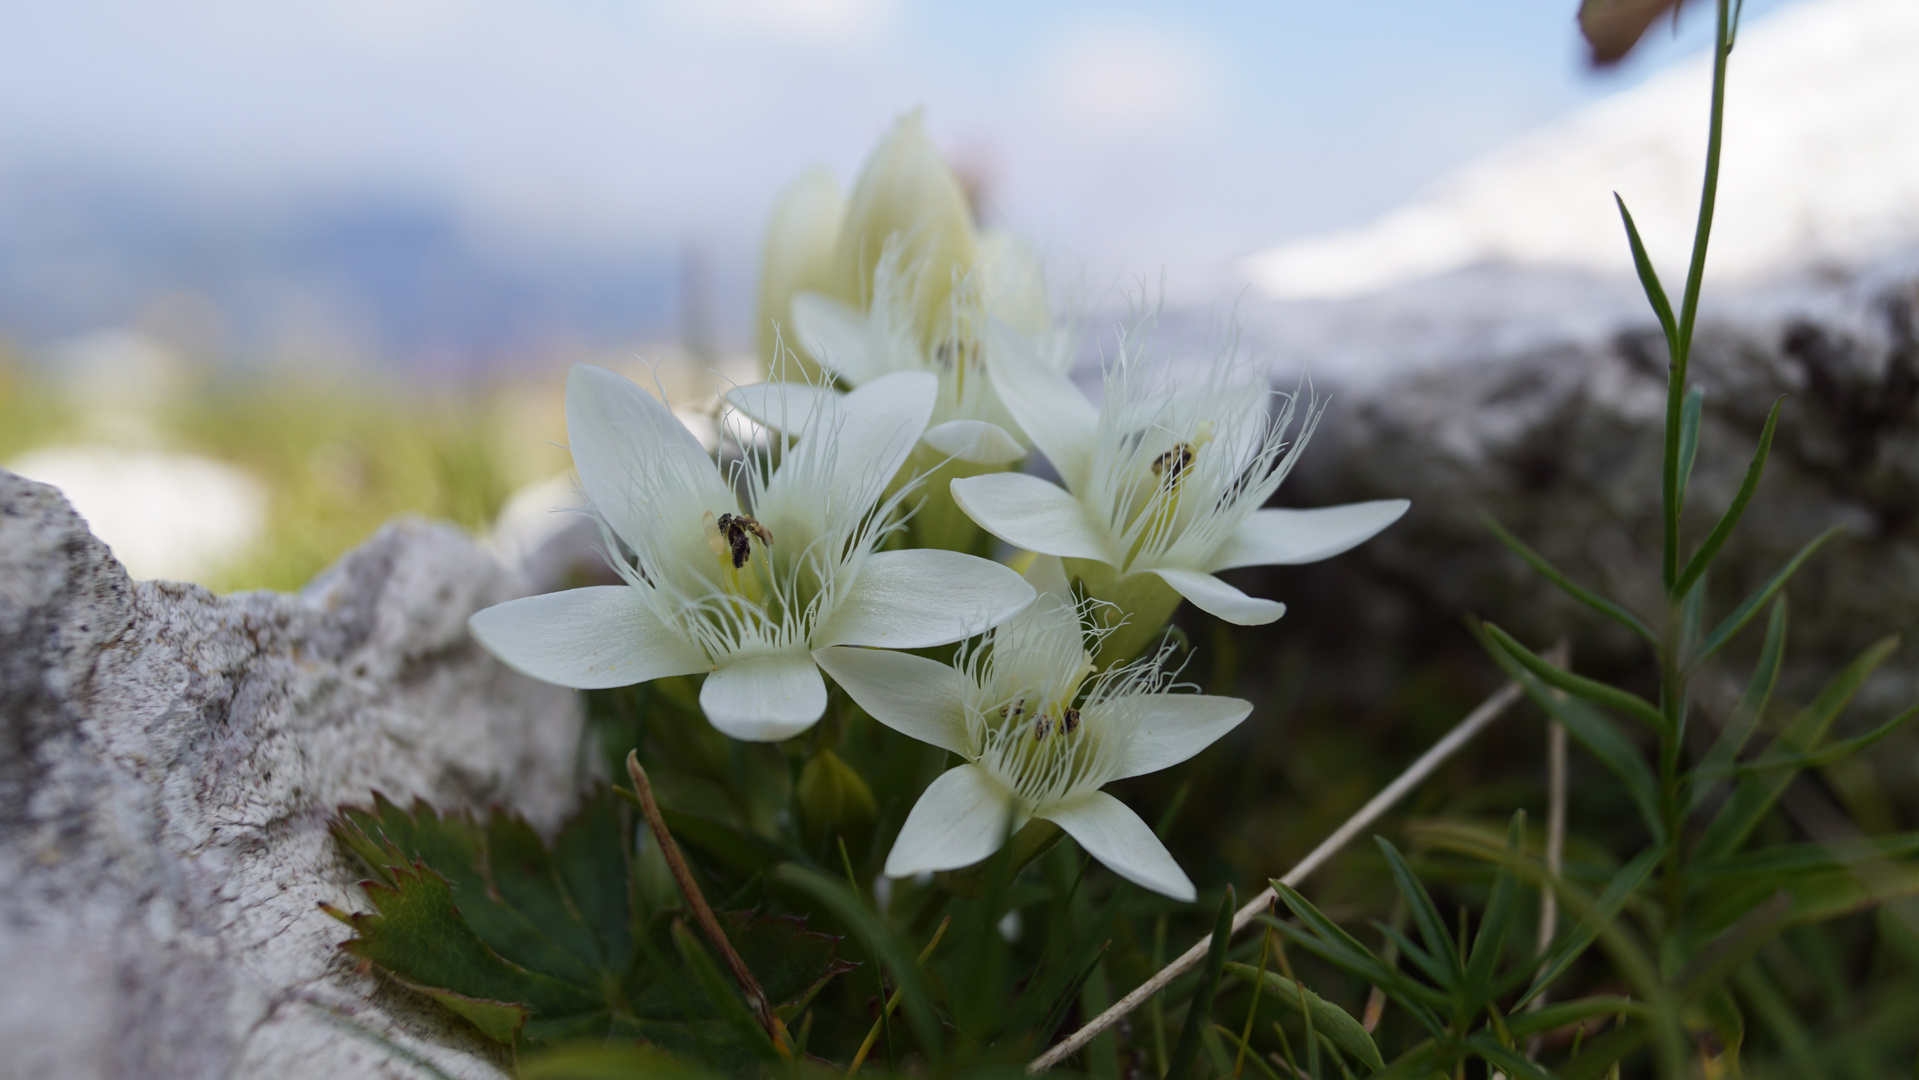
(927, 367)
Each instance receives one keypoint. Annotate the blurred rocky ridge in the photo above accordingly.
(168, 762)
(1537, 396)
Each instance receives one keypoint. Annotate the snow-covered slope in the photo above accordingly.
(1821, 166)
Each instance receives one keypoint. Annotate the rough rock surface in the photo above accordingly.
(1548, 419)
(168, 761)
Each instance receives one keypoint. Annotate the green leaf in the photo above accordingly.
(1573, 589)
(1574, 942)
(1565, 1013)
(1689, 415)
(1754, 796)
(1815, 759)
(600, 1061)
(1743, 614)
(1709, 550)
(1432, 925)
(1330, 1020)
(1506, 1059)
(1596, 733)
(1648, 277)
(1592, 690)
(1199, 1015)
(1752, 704)
(1501, 910)
(880, 940)
(537, 945)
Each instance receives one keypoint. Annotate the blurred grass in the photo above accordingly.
(338, 457)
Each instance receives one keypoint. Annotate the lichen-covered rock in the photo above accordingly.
(168, 762)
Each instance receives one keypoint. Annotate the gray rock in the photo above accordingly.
(1539, 401)
(168, 762)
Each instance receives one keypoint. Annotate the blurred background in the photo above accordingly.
(272, 272)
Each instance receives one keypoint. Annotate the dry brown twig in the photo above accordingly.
(702, 913)
(1419, 770)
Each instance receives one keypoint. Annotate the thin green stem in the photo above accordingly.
(1681, 352)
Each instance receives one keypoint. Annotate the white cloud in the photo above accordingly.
(1131, 79)
(828, 22)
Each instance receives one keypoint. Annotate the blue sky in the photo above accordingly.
(1125, 138)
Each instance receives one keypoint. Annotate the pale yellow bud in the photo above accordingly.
(798, 257)
(907, 190)
(1012, 284)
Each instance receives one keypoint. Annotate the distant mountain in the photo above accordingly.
(368, 275)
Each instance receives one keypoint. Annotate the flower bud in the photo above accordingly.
(907, 190)
(833, 798)
(798, 257)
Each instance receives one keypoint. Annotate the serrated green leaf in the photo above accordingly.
(598, 1061)
(537, 945)
(416, 933)
(1334, 1022)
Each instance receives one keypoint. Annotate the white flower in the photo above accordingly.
(1163, 489)
(1041, 734)
(799, 254)
(746, 588)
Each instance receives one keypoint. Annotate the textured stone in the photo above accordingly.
(168, 762)
(1540, 401)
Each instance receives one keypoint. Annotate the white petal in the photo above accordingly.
(910, 694)
(961, 818)
(1289, 537)
(786, 407)
(1047, 575)
(1166, 729)
(764, 698)
(590, 638)
(641, 467)
(879, 424)
(976, 441)
(1030, 513)
(1113, 834)
(835, 333)
(1215, 597)
(1052, 411)
(923, 597)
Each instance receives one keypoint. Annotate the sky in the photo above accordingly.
(1126, 139)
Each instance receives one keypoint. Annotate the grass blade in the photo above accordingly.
(1752, 705)
(1592, 690)
(1756, 795)
(1743, 614)
(1200, 1014)
(1649, 277)
(880, 939)
(1689, 414)
(1570, 587)
(1432, 926)
(1709, 550)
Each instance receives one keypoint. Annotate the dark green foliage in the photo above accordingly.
(537, 944)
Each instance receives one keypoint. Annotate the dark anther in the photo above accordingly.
(1069, 723)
